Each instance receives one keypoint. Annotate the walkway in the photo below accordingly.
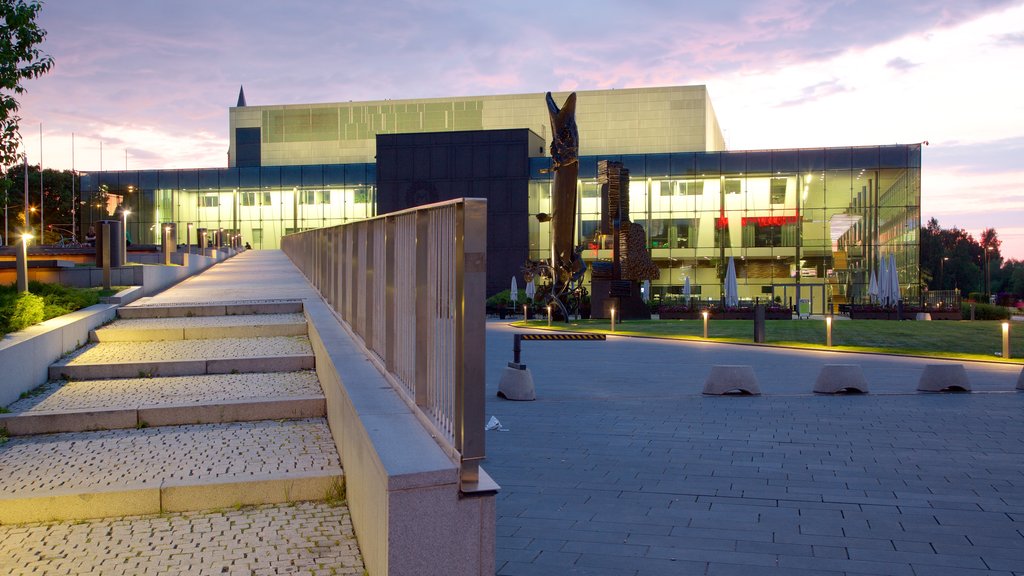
(621, 467)
(200, 404)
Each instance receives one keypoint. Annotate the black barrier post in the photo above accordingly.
(759, 323)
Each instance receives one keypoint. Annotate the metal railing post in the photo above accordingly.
(470, 296)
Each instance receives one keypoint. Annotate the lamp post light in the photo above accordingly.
(124, 236)
(704, 314)
(988, 272)
(22, 262)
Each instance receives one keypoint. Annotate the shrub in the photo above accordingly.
(985, 312)
(27, 310)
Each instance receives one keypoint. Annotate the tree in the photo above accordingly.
(20, 59)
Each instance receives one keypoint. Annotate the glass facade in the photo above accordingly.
(802, 224)
(260, 203)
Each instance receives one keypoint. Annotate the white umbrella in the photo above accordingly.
(686, 287)
(514, 294)
(531, 289)
(883, 282)
(873, 287)
(645, 290)
(732, 288)
(894, 277)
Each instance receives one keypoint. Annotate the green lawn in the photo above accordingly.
(973, 340)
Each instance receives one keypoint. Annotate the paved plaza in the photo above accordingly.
(623, 467)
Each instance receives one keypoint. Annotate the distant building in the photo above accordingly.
(816, 218)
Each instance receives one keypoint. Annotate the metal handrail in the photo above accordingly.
(412, 286)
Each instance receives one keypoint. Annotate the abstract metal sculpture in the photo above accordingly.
(565, 268)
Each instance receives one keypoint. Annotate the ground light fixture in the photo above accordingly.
(124, 236)
(1006, 339)
(704, 314)
(613, 319)
(549, 315)
(828, 331)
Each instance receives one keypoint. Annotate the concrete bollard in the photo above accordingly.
(516, 383)
(944, 378)
(836, 378)
(731, 379)
(1020, 380)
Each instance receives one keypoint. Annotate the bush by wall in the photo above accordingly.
(985, 312)
(41, 302)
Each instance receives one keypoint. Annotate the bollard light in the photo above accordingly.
(704, 313)
(124, 236)
(22, 262)
(828, 331)
(167, 245)
(1006, 339)
(549, 314)
(613, 319)
(524, 312)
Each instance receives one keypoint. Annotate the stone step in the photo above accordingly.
(81, 475)
(201, 328)
(185, 357)
(142, 309)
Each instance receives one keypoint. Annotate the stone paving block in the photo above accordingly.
(135, 334)
(179, 311)
(262, 331)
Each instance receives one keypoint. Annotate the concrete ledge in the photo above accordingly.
(26, 355)
(126, 296)
(292, 363)
(944, 378)
(25, 424)
(408, 512)
(238, 411)
(731, 379)
(198, 333)
(272, 489)
(245, 331)
(836, 378)
(130, 500)
(133, 312)
(71, 421)
(219, 309)
(133, 335)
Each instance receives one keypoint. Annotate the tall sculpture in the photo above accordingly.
(566, 267)
(615, 284)
(565, 162)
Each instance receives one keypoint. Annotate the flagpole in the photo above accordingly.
(74, 206)
(42, 237)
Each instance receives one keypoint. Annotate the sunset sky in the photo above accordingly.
(156, 79)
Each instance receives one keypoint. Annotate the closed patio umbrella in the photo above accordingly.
(883, 282)
(894, 278)
(686, 288)
(873, 288)
(514, 294)
(531, 289)
(645, 292)
(732, 297)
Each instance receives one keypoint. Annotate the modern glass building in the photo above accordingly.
(801, 224)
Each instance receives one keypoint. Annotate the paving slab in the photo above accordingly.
(621, 441)
(303, 538)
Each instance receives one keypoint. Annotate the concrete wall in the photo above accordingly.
(153, 277)
(403, 490)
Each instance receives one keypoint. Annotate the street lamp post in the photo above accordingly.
(988, 272)
(124, 236)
